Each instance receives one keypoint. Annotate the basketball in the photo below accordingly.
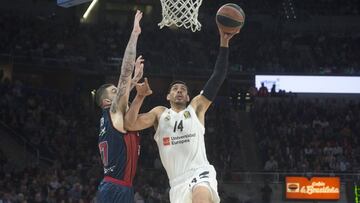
(230, 18)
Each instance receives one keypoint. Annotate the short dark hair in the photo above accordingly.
(177, 82)
(101, 93)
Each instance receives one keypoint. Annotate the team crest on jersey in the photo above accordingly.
(166, 141)
(187, 114)
(167, 118)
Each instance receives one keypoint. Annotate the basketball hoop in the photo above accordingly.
(181, 13)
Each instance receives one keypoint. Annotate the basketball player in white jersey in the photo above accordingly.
(180, 133)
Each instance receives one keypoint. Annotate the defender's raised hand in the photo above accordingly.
(137, 28)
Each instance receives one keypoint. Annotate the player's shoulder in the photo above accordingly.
(159, 109)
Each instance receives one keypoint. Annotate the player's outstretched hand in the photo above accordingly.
(143, 89)
(139, 69)
(225, 37)
(137, 28)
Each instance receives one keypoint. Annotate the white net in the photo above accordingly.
(181, 13)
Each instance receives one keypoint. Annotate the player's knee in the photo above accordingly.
(201, 194)
(202, 201)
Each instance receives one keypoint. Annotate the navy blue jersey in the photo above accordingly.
(119, 151)
(109, 193)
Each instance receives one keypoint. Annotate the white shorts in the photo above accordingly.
(182, 187)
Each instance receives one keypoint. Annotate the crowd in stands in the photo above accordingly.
(321, 7)
(293, 134)
(296, 135)
(315, 135)
(56, 125)
(329, 7)
(280, 51)
(61, 128)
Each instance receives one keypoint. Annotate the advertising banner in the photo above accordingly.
(319, 188)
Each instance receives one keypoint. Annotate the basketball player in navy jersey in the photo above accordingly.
(119, 149)
(180, 134)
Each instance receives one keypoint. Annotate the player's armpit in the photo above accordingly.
(200, 104)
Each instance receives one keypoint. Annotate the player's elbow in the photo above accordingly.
(129, 124)
(130, 128)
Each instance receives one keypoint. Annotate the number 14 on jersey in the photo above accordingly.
(178, 126)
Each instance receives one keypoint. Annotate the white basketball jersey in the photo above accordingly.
(180, 139)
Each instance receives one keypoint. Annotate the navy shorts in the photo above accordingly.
(109, 192)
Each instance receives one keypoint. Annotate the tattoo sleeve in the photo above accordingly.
(127, 67)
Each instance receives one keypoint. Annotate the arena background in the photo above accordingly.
(51, 60)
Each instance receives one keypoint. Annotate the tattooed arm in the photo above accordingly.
(120, 101)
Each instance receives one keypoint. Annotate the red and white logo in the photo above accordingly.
(166, 141)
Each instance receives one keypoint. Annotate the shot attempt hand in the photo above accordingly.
(225, 37)
(143, 89)
(137, 28)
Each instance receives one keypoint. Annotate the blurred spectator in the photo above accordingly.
(273, 90)
(263, 91)
(271, 164)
